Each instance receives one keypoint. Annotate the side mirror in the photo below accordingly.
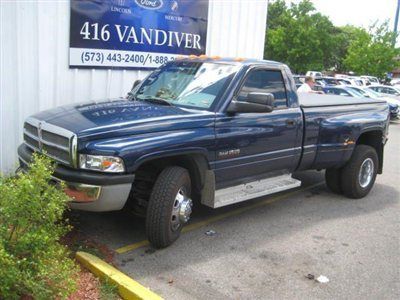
(135, 84)
(256, 103)
(261, 98)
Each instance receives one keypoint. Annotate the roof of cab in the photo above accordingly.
(229, 60)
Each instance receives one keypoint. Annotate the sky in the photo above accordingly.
(356, 12)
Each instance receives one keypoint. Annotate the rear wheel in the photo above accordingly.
(358, 175)
(169, 206)
(333, 180)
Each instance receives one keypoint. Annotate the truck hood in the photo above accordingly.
(117, 117)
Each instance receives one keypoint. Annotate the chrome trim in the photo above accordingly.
(55, 145)
(71, 150)
(58, 159)
(49, 155)
(35, 137)
(32, 121)
(74, 151)
(366, 172)
(23, 160)
(89, 190)
(32, 147)
(39, 131)
(181, 210)
(57, 130)
(112, 197)
(251, 190)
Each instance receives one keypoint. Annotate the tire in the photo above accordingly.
(333, 180)
(161, 219)
(352, 185)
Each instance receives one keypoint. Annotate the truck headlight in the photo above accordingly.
(101, 163)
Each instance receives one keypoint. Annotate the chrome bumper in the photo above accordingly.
(89, 191)
(104, 198)
(95, 197)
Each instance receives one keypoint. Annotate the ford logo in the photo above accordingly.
(149, 4)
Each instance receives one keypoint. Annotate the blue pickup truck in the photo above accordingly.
(206, 131)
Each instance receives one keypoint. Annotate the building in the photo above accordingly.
(35, 58)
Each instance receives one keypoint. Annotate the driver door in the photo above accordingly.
(258, 144)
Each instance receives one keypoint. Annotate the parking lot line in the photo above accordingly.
(217, 218)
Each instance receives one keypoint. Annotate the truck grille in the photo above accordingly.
(53, 141)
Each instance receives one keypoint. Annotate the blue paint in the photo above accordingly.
(294, 138)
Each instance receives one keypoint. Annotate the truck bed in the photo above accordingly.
(333, 123)
(318, 100)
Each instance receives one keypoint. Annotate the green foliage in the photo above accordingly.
(108, 290)
(342, 38)
(299, 36)
(372, 52)
(306, 40)
(32, 261)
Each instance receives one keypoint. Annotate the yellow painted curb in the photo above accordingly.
(127, 287)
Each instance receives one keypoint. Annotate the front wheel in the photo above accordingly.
(358, 175)
(169, 206)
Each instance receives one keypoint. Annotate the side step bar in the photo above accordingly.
(252, 190)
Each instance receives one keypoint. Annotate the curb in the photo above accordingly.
(127, 287)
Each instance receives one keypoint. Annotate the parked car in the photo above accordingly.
(372, 79)
(350, 81)
(386, 90)
(339, 76)
(395, 81)
(314, 74)
(344, 81)
(342, 91)
(394, 104)
(327, 81)
(298, 79)
(318, 88)
(206, 131)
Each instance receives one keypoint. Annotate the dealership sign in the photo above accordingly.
(135, 33)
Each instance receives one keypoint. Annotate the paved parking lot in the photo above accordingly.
(264, 248)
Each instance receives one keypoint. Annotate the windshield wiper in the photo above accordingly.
(156, 100)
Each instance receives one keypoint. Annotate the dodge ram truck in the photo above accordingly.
(206, 131)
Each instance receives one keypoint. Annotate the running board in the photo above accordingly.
(252, 190)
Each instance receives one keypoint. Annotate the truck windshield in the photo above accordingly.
(191, 84)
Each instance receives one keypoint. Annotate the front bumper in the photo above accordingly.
(90, 191)
(394, 115)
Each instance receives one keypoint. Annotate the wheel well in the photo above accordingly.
(147, 173)
(373, 139)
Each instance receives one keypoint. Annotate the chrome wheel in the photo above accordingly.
(366, 172)
(181, 210)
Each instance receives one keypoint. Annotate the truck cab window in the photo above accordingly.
(265, 81)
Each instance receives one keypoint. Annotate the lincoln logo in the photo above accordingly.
(149, 4)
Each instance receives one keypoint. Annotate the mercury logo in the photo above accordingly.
(150, 4)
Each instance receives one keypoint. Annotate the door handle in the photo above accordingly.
(290, 122)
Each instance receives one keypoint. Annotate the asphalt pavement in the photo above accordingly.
(269, 247)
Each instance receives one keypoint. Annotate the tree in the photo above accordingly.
(299, 36)
(342, 38)
(306, 40)
(372, 52)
